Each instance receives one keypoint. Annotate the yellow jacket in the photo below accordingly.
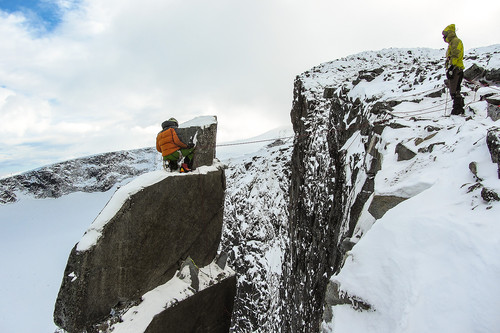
(455, 51)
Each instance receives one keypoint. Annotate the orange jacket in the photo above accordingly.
(168, 142)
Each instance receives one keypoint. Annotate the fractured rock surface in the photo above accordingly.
(141, 246)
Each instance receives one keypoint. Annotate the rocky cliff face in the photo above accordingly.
(137, 243)
(256, 234)
(347, 115)
(328, 190)
(340, 111)
(140, 246)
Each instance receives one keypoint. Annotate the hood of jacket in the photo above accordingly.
(449, 33)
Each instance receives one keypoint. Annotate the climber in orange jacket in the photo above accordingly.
(173, 149)
(454, 67)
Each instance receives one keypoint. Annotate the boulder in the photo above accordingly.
(203, 132)
(430, 147)
(382, 203)
(404, 153)
(474, 72)
(436, 94)
(489, 195)
(335, 296)
(418, 141)
(141, 245)
(493, 75)
(473, 169)
(493, 143)
(208, 311)
(493, 108)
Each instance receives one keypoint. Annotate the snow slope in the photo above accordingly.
(431, 263)
(36, 236)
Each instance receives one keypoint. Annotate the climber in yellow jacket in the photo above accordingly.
(454, 67)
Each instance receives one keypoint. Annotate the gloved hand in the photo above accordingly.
(450, 72)
(190, 145)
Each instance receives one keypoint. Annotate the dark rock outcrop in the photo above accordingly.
(334, 296)
(404, 153)
(493, 143)
(474, 72)
(208, 311)
(324, 203)
(141, 246)
(493, 108)
(382, 203)
(489, 195)
(478, 73)
(205, 138)
(493, 76)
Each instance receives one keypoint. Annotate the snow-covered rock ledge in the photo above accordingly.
(157, 303)
(375, 142)
(138, 240)
(124, 193)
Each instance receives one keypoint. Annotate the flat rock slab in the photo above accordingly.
(141, 246)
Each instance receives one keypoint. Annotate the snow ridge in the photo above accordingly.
(96, 173)
(406, 267)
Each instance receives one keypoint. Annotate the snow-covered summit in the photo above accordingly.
(351, 118)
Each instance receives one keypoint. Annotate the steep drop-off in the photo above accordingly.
(340, 110)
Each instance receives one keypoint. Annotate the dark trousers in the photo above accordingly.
(454, 86)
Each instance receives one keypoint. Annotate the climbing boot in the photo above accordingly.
(185, 168)
(458, 105)
(190, 163)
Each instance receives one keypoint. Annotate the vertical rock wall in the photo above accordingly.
(329, 188)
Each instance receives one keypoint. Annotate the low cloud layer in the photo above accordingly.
(111, 71)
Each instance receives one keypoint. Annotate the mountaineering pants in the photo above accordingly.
(455, 77)
(186, 152)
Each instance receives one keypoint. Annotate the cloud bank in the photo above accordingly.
(107, 75)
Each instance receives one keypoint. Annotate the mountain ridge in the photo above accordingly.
(349, 115)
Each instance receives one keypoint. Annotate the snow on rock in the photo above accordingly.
(255, 234)
(349, 116)
(96, 173)
(429, 264)
(94, 232)
(202, 121)
(137, 242)
(138, 318)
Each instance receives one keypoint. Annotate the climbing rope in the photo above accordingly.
(419, 93)
(446, 106)
(249, 142)
(397, 114)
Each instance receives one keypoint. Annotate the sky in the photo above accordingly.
(80, 77)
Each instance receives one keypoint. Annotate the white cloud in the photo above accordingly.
(123, 64)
